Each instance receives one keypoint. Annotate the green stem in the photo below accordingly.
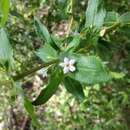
(33, 70)
(69, 26)
(113, 27)
(71, 19)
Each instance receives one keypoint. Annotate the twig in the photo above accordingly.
(33, 70)
(113, 27)
(72, 18)
(69, 26)
(24, 123)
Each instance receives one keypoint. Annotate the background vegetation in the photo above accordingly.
(103, 103)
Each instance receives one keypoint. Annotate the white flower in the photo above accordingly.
(42, 72)
(68, 65)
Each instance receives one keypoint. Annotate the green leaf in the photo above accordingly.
(50, 89)
(57, 41)
(74, 87)
(125, 18)
(73, 44)
(89, 70)
(28, 105)
(95, 13)
(6, 52)
(47, 53)
(30, 109)
(125, 31)
(43, 33)
(42, 2)
(4, 9)
(111, 18)
(116, 75)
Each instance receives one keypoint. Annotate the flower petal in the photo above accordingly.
(66, 70)
(72, 61)
(72, 68)
(66, 60)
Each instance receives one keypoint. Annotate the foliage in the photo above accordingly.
(93, 51)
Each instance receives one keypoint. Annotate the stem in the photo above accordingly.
(113, 27)
(69, 26)
(84, 49)
(33, 70)
(71, 20)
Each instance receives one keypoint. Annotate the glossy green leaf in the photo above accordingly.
(73, 44)
(47, 93)
(95, 13)
(74, 87)
(4, 10)
(47, 53)
(111, 18)
(6, 52)
(89, 70)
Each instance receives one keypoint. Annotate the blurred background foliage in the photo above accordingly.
(106, 107)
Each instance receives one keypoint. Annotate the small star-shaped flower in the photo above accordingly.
(68, 65)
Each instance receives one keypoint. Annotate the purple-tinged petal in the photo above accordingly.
(72, 62)
(66, 60)
(66, 70)
(72, 68)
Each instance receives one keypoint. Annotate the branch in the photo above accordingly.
(31, 71)
(69, 26)
(113, 27)
(71, 19)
